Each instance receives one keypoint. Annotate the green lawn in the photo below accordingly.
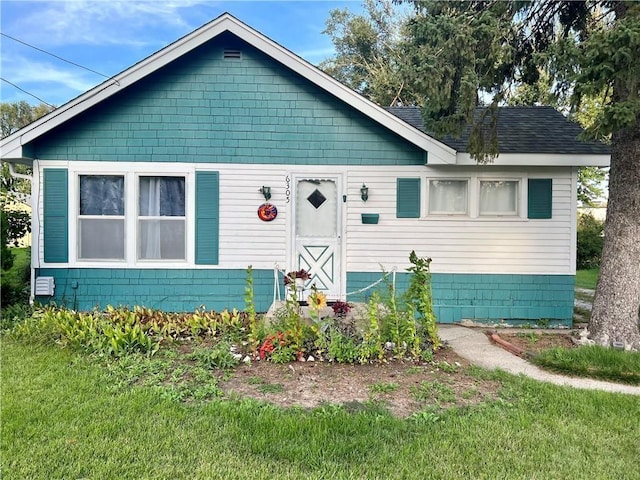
(593, 361)
(63, 418)
(587, 278)
(21, 260)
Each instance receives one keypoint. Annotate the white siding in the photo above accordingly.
(456, 244)
(461, 244)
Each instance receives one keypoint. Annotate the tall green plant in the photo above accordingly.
(372, 338)
(250, 308)
(419, 296)
(293, 318)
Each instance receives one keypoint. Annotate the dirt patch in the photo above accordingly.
(401, 387)
(534, 342)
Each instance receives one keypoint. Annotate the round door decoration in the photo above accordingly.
(267, 212)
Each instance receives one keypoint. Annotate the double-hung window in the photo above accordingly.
(161, 218)
(448, 197)
(498, 197)
(101, 220)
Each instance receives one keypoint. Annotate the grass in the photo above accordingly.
(63, 417)
(587, 278)
(433, 390)
(383, 387)
(593, 361)
(532, 337)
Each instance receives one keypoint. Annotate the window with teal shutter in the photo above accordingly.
(207, 218)
(540, 194)
(55, 215)
(408, 198)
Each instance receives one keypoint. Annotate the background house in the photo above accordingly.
(148, 189)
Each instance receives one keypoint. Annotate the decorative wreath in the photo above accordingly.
(267, 212)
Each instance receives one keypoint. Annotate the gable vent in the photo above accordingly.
(232, 54)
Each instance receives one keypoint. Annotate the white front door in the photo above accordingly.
(317, 232)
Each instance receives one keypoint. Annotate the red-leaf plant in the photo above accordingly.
(291, 276)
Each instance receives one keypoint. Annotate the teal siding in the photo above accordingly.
(481, 297)
(207, 218)
(540, 192)
(517, 299)
(408, 198)
(165, 289)
(202, 108)
(55, 215)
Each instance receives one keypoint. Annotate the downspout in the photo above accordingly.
(29, 178)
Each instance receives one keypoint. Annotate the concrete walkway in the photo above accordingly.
(473, 345)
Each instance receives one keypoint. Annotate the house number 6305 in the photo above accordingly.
(288, 188)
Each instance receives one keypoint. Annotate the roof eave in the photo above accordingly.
(542, 159)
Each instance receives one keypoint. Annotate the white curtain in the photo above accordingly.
(150, 247)
(162, 233)
(498, 197)
(448, 196)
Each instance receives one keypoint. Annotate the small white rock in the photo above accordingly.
(458, 364)
(237, 356)
(247, 359)
(310, 358)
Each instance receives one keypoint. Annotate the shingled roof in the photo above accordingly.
(521, 130)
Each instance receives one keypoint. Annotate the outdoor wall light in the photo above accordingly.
(364, 192)
(266, 191)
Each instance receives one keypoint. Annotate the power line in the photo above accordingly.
(53, 55)
(23, 90)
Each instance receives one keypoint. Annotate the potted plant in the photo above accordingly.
(294, 282)
(299, 277)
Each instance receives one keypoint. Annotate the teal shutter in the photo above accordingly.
(540, 198)
(408, 198)
(207, 217)
(56, 215)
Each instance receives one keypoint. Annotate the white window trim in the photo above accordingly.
(74, 216)
(137, 217)
(131, 173)
(465, 214)
(519, 200)
(473, 198)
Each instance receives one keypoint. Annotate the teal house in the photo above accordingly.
(224, 149)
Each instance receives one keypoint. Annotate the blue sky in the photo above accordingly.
(109, 36)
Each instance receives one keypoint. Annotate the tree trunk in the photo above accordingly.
(617, 302)
(616, 307)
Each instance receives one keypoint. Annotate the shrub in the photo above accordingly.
(11, 315)
(590, 240)
(15, 281)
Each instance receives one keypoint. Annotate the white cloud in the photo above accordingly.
(103, 22)
(46, 80)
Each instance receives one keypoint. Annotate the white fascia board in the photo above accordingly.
(541, 160)
(11, 147)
